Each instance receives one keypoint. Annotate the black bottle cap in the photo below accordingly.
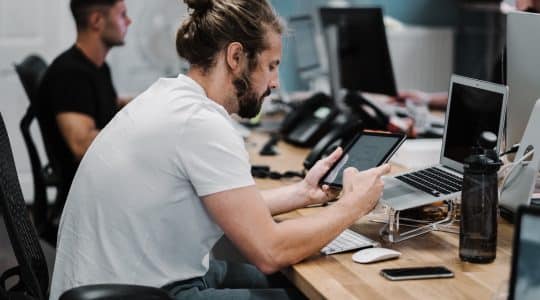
(484, 159)
(488, 140)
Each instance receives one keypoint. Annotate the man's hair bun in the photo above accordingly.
(199, 6)
(213, 24)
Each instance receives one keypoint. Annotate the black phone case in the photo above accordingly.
(388, 155)
(443, 272)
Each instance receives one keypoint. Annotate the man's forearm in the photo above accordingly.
(286, 198)
(295, 239)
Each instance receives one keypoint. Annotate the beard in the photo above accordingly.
(113, 35)
(112, 41)
(249, 103)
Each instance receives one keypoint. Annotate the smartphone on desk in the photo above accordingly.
(417, 273)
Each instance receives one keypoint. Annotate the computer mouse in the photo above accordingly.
(371, 255)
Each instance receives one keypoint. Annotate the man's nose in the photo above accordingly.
(274, 84)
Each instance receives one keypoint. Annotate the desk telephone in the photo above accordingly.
(317, 123)
(310, 121)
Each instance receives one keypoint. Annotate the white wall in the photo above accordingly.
(422, 57)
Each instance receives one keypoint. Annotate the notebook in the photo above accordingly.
(474, 106)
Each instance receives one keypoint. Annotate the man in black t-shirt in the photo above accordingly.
(77, 97)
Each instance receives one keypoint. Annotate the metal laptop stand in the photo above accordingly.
(394, 232)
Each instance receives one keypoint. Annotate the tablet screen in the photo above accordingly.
(368, 150)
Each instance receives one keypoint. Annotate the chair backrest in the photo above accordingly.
(30, 72)
(40, 186)
(33, 271)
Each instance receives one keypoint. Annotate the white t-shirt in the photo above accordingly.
(134, 213)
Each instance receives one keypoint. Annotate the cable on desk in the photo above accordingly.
(262, 171)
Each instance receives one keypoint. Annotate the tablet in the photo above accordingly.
(365, 151)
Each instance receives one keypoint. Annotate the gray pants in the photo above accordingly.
(228, 280)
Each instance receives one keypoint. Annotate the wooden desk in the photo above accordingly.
(338, 277)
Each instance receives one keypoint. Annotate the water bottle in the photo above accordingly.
(479, 200)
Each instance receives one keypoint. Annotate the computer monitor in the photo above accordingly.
(523, 71)
(306, 46)
(525, 274)
(362, 49)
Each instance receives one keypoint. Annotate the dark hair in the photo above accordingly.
(81, 9)
(213, 24)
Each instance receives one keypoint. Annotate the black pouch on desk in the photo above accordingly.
(310, 121)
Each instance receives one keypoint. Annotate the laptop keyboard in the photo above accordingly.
(433, 181)
(348, 240)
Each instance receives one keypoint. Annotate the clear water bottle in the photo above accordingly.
(479, 200)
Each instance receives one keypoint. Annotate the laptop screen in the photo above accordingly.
(473, 108)
(525, 278)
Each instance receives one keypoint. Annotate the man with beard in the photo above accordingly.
(77, 97)
(170, 174)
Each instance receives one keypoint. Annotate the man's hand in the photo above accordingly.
(417, 97)
(437, 100)
(320, 194)
(362, 190)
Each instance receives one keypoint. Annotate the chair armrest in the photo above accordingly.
(115, 292)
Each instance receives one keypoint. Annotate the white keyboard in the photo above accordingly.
(348, 240)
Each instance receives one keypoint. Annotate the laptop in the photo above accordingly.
(525, 274)
(518, 187)
(474, 106)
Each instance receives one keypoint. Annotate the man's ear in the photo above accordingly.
(233, 55)
(96, 20)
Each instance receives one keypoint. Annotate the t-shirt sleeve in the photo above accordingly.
(73, 92)
(213, 155)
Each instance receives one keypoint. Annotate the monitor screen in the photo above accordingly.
(526, 263)
(472, 110)
(305, 46)
(362, 49)
(523, 71)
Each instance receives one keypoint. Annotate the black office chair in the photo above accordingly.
(31, 71)
(32, 273)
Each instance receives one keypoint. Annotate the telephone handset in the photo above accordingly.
(310, 121)
(371, 115)
(340, 135)
(364, 115)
